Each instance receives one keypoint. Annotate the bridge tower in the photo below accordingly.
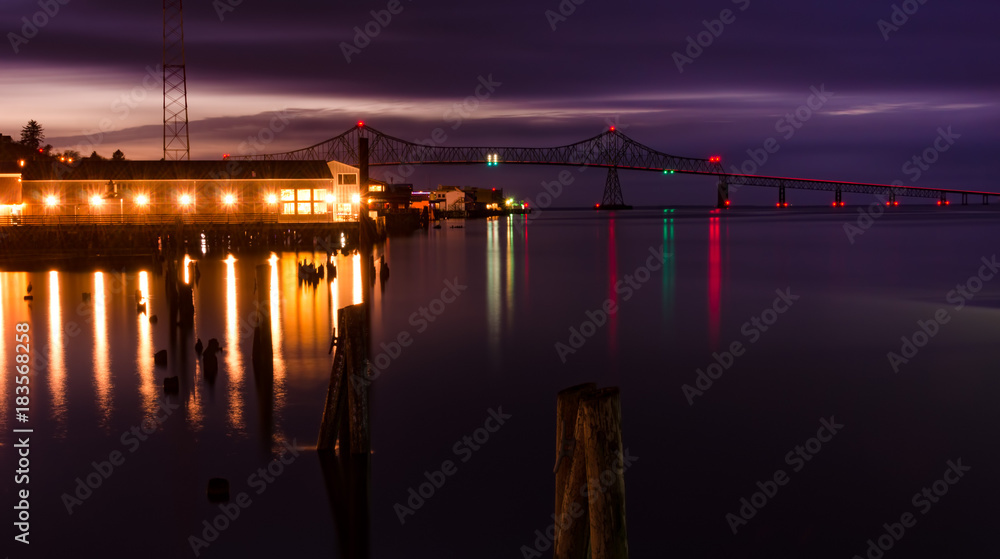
(176, 141)
(613, 199)
(611, 148)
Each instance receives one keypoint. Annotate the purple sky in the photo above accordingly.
(605, 62)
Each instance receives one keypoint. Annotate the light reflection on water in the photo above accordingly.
(144, 356)
(234, 362)
(118, 380)
(102, 358)
(57, 362)
(493, 264)
(3, 354)
(714, 282)
(280, 372)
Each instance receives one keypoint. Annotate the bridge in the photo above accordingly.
(612, 150)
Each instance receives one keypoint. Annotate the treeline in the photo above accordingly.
(32, 147)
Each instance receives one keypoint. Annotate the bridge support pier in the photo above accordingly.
(943, 200)
(613, 199)
(965, 198)
(986, 200)
(723, 201)
(781, 197)
(838, 198)
(892, 199)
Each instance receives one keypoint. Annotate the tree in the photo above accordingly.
(95, 156)
(71, 154)
(32, 135)
(118, 155)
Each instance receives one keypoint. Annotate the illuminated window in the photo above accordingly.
(319, 195)
(347, 178)
(304, 196)
(319, 208)
(288, 208)
(376, 188)
(344, 209)
(287, 195)
(304, 208)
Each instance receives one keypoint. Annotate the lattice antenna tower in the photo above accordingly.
(176, 141)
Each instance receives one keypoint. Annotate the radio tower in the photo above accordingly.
(176, 142)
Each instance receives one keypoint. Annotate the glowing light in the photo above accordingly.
(22, 163)
(57, 363)
(361, 123)
(96, 200)
(331, 199)
(357, 293)
(51, 201)
(355, 198)
(510, 201)
(715, 159)
(234, 362)
(612, 128)
(272, 199)
(70, 160)
(229, 199)
(102, 369)
(185, 199)
(142, 199)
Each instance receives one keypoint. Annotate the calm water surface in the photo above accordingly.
(487, 306)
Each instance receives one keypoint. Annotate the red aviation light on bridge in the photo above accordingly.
(612, 128)
(361, 124)
(715, 159)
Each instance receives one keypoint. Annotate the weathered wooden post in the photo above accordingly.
(603, 431)
(345, 417)
(590, 484)
(571, 533)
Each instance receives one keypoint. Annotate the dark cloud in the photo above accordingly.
(606, 60)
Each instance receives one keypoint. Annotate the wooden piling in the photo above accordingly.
(345, 416)
(602, 429)
(572, 538)
(336, 398)
(590, 484)
(567, 406)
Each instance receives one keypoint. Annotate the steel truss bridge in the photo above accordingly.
(612, 150)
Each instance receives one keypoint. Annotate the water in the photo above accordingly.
(486, 307)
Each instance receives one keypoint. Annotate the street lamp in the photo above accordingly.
(51, 201)
(228, 200)
(142, 200)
